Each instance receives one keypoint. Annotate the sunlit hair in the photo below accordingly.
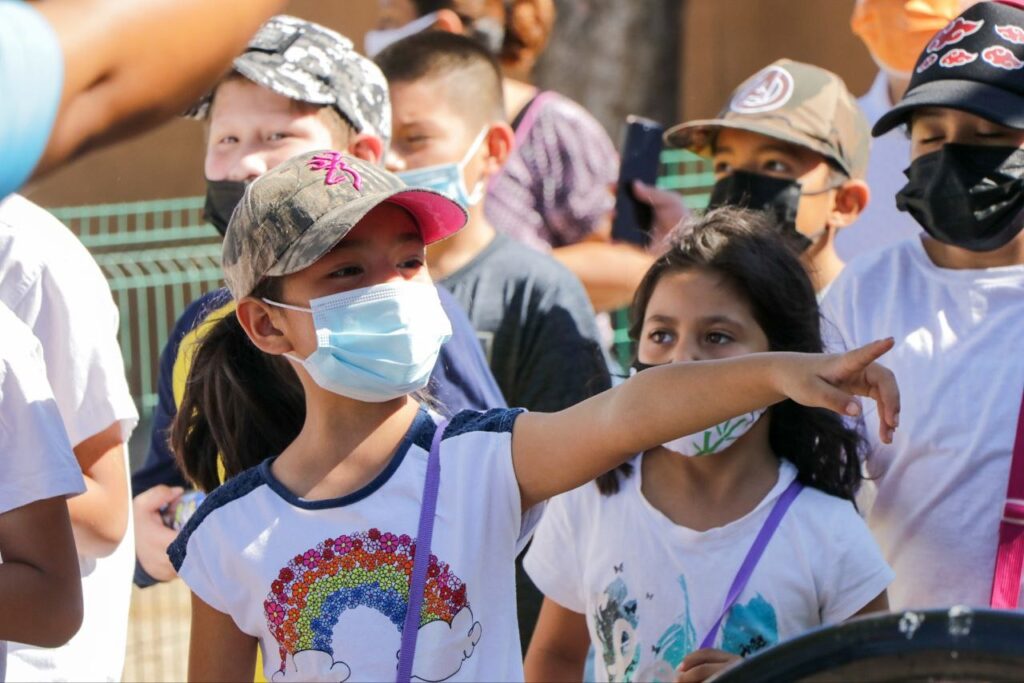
(745, 249)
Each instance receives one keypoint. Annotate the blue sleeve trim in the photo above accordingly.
(31, 81)
(497, 420)
(233, 489)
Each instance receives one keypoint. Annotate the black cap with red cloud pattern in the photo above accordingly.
(975, 64)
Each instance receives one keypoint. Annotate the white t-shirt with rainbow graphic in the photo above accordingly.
(323, 585)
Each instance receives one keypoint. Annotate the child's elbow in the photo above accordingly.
(65, 614)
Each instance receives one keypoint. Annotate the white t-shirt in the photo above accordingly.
(651, 589)
(881, 224)
(324, 584)
(36, 461)
(939, 488)
(49, 280)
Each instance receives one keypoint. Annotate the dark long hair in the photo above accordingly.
(240, 406)
(744, 248)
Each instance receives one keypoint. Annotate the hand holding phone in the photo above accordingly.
(641, 156)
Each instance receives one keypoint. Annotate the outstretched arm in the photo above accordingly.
(555, 452)
(131, 65)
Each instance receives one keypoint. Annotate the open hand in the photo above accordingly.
(701, 665)
(832, 380)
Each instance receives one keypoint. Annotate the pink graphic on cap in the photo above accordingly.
(1002, 58)
(957, 57)
(957, 30)
(335, 165)
(1014, 34)
(927, 63)
(767, 90)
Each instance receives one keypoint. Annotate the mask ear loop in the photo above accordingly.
(300, 309)
(473, 198)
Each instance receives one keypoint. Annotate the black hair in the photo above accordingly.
(241, 405)
(433, 54)
(745, 249)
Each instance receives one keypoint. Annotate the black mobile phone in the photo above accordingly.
(641, 154)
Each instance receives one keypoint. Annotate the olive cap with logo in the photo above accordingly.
(975, 65)
(306, 62)
(794, 102)
(298, 211)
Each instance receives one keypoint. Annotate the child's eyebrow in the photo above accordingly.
(714, 319)
(659, 318)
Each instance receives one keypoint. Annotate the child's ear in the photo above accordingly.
(258, 320)
(499, 143)
(850, 201)
(367, 147)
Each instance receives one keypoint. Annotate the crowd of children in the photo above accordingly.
(404, 380)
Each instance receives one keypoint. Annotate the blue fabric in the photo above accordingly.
(31, 80)
(462, 380)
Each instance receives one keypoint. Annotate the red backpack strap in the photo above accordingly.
(1010, 555)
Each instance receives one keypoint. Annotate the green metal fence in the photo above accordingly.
(159, 256)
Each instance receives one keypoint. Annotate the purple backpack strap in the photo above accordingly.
(753, 557)
(418, 581)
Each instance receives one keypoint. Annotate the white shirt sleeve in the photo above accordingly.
(553, 559)
(36, 461)
(53, 284)
(849, 582)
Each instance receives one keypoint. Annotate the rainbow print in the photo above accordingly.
(370, 569)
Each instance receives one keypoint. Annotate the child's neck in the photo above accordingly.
(706, 492)
(955, 258)
(823, 264)
(449, 255)
(343, 445)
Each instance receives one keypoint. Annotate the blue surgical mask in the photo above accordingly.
(448, 179)
(377, 40)
(377, 343)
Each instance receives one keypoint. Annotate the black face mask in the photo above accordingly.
(969, 196)
(778, 197)
(222, 196)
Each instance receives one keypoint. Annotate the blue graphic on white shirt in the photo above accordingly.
(749, 628)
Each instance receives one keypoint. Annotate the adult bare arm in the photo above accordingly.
(132, 65)
(40, 588)
(100, 515)
(610, 272)
(555, 452)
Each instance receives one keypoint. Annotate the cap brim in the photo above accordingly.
(981, 99)
(436, 216)
(696, 136)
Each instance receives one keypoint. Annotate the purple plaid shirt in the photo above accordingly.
(554, 188)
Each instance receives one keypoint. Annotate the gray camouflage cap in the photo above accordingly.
(307, 62)
(295, 213)
(794, 102)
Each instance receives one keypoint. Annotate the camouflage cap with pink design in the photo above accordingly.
(794, 102)
(295, 213)
(975, 64)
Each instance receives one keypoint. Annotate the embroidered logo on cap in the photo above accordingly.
(766, 91)
(957, 57)
(956, 31)
(1014, 34)
(335, 165)
(927, 63)
(1002, 58)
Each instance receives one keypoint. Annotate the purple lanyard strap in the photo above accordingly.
(753, 557)
(418, 582)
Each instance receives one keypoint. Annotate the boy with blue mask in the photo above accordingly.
(953, 298)
(531, 312)
(450, 135)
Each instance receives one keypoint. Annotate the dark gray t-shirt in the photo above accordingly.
(535, 323)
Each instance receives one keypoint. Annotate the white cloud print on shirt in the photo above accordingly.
(363, 571)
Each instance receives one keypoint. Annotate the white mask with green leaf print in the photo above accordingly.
(715, 439)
